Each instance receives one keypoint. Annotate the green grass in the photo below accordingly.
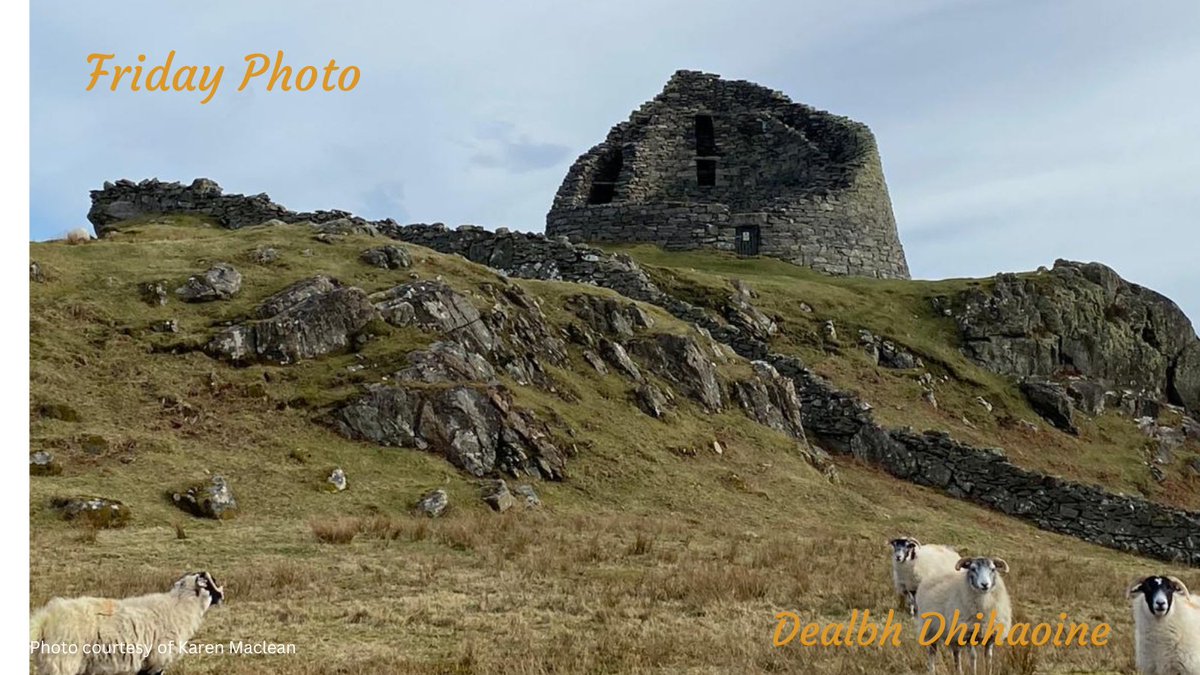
(656, 555)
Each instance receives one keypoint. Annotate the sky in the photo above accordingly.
(1012, 132)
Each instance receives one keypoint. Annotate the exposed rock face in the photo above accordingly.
(1050, 400)
(651, 400)
(154, 293)
(388, 257)
(311, 318)
(98, 512)
(35, 272)
(770, 399)
(477, 430)
(447, 362)
(680, 360)
(434, 306)
(610, 316)
(209, 499)
(1081, 318)
(220, 282)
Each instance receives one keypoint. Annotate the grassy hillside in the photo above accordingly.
(656, 555)
(1109, 450)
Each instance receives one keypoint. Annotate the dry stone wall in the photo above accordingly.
(125, 200)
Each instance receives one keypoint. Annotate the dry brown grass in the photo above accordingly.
(335, 530)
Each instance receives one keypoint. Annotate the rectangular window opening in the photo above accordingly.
(706, 172)
(706, 140)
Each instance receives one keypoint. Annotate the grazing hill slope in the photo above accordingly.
(669, 543)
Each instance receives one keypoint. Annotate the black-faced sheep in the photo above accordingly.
(1167, 622)
(133, 636)
(977, 592)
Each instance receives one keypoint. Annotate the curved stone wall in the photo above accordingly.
(810, 183)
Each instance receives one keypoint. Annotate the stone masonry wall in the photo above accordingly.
(810, 181)
(126, 199)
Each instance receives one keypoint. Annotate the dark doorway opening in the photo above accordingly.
(706, 139)
(706, 172)
(604, 186)
(747, 239)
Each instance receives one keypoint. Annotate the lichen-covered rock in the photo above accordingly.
(496, 494)
(1080, 318)
(43, 463)
(35, 272)
(433, 503)
(390, 257)
(220, 282)
(265, 255)
(98, 512)
(383, 415)
(447, 362)
(680, 359)
(434, 306)
(317, 325)
(294, 294)
(1050, 400)
(212, 498)
(610, 316)
(1087, 396)
(741, 312)
(477, 430)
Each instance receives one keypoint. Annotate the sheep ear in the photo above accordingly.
(1135, 590)
(1000, 564)
(962, 562)
(1178, 586)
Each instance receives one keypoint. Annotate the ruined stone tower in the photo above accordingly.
(738, 167)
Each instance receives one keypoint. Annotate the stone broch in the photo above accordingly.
(713, 163)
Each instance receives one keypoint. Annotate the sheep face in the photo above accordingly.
(904, 548)
(201, 584)
(983, 574)
(1158, 594)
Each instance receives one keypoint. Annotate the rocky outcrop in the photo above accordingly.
(310, 318)
(434, 306)
(1050, 400)
(43, 463)
(476, 429)
(1082, 319)
(680, 360)
(771, 400)
(220, 282)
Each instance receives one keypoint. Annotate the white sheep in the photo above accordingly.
(913, 561)
(1167, 623)
(977, 592)
(78, 235)
(133, 636)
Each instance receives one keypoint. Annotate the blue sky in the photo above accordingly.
(1012, 132)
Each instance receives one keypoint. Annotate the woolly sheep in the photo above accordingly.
(127, 633)
(975, 588)
(913, 561)
(78, 235)
(1167, 623)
